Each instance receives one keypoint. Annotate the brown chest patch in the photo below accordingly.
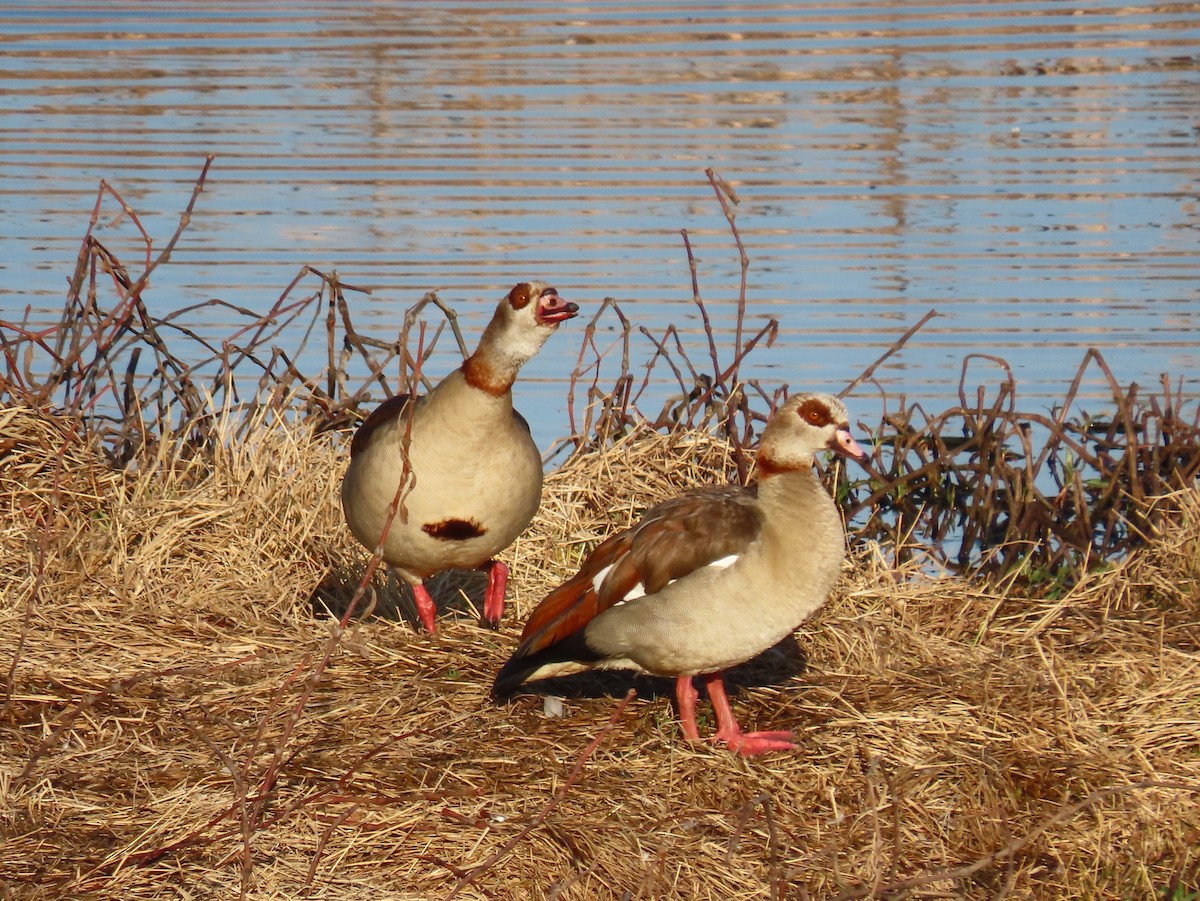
(453, 529)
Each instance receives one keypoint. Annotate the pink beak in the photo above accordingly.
(553, 309)
(843, 443)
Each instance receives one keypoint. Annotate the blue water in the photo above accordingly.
(1029, 169)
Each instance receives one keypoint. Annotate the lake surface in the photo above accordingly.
(1029, 169)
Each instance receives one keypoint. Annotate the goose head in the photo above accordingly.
(803, 426)
(524, 319)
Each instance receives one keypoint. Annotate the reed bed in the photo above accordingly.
(182, 716)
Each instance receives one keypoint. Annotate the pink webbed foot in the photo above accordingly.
(426, 609)
(493, 598)
(748, 744)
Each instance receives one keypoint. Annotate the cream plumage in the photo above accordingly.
(476, 472)
(704, 581)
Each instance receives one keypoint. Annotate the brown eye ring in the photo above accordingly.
(813, 412)
(518, 297)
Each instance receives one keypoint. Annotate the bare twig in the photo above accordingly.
(896, 345)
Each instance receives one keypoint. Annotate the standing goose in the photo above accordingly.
(475, 472)
(706, 580)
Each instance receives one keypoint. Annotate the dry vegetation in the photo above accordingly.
(176, 715)
(182, 718)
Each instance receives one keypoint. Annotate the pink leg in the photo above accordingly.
(747, 744)
(426, 609)
(686, 694)
(493, 599)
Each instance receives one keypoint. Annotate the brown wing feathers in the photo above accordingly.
(691, 531)
(570, 606)
(672, 539)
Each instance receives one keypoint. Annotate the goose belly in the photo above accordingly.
(465, 501)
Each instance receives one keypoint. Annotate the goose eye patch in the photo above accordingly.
(814, 412)
(518, 297)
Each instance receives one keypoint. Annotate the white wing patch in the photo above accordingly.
(639, 590)
(601, 576)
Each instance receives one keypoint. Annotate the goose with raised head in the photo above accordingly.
(474, 472)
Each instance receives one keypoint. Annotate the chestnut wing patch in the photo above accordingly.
(672, 539)
(684, 534)
(454, 529)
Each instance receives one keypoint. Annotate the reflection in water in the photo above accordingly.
(1029, 169)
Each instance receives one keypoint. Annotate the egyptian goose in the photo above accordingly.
(476, 472)
(706, 580)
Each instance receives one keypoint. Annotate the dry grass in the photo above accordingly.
(170, 728)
